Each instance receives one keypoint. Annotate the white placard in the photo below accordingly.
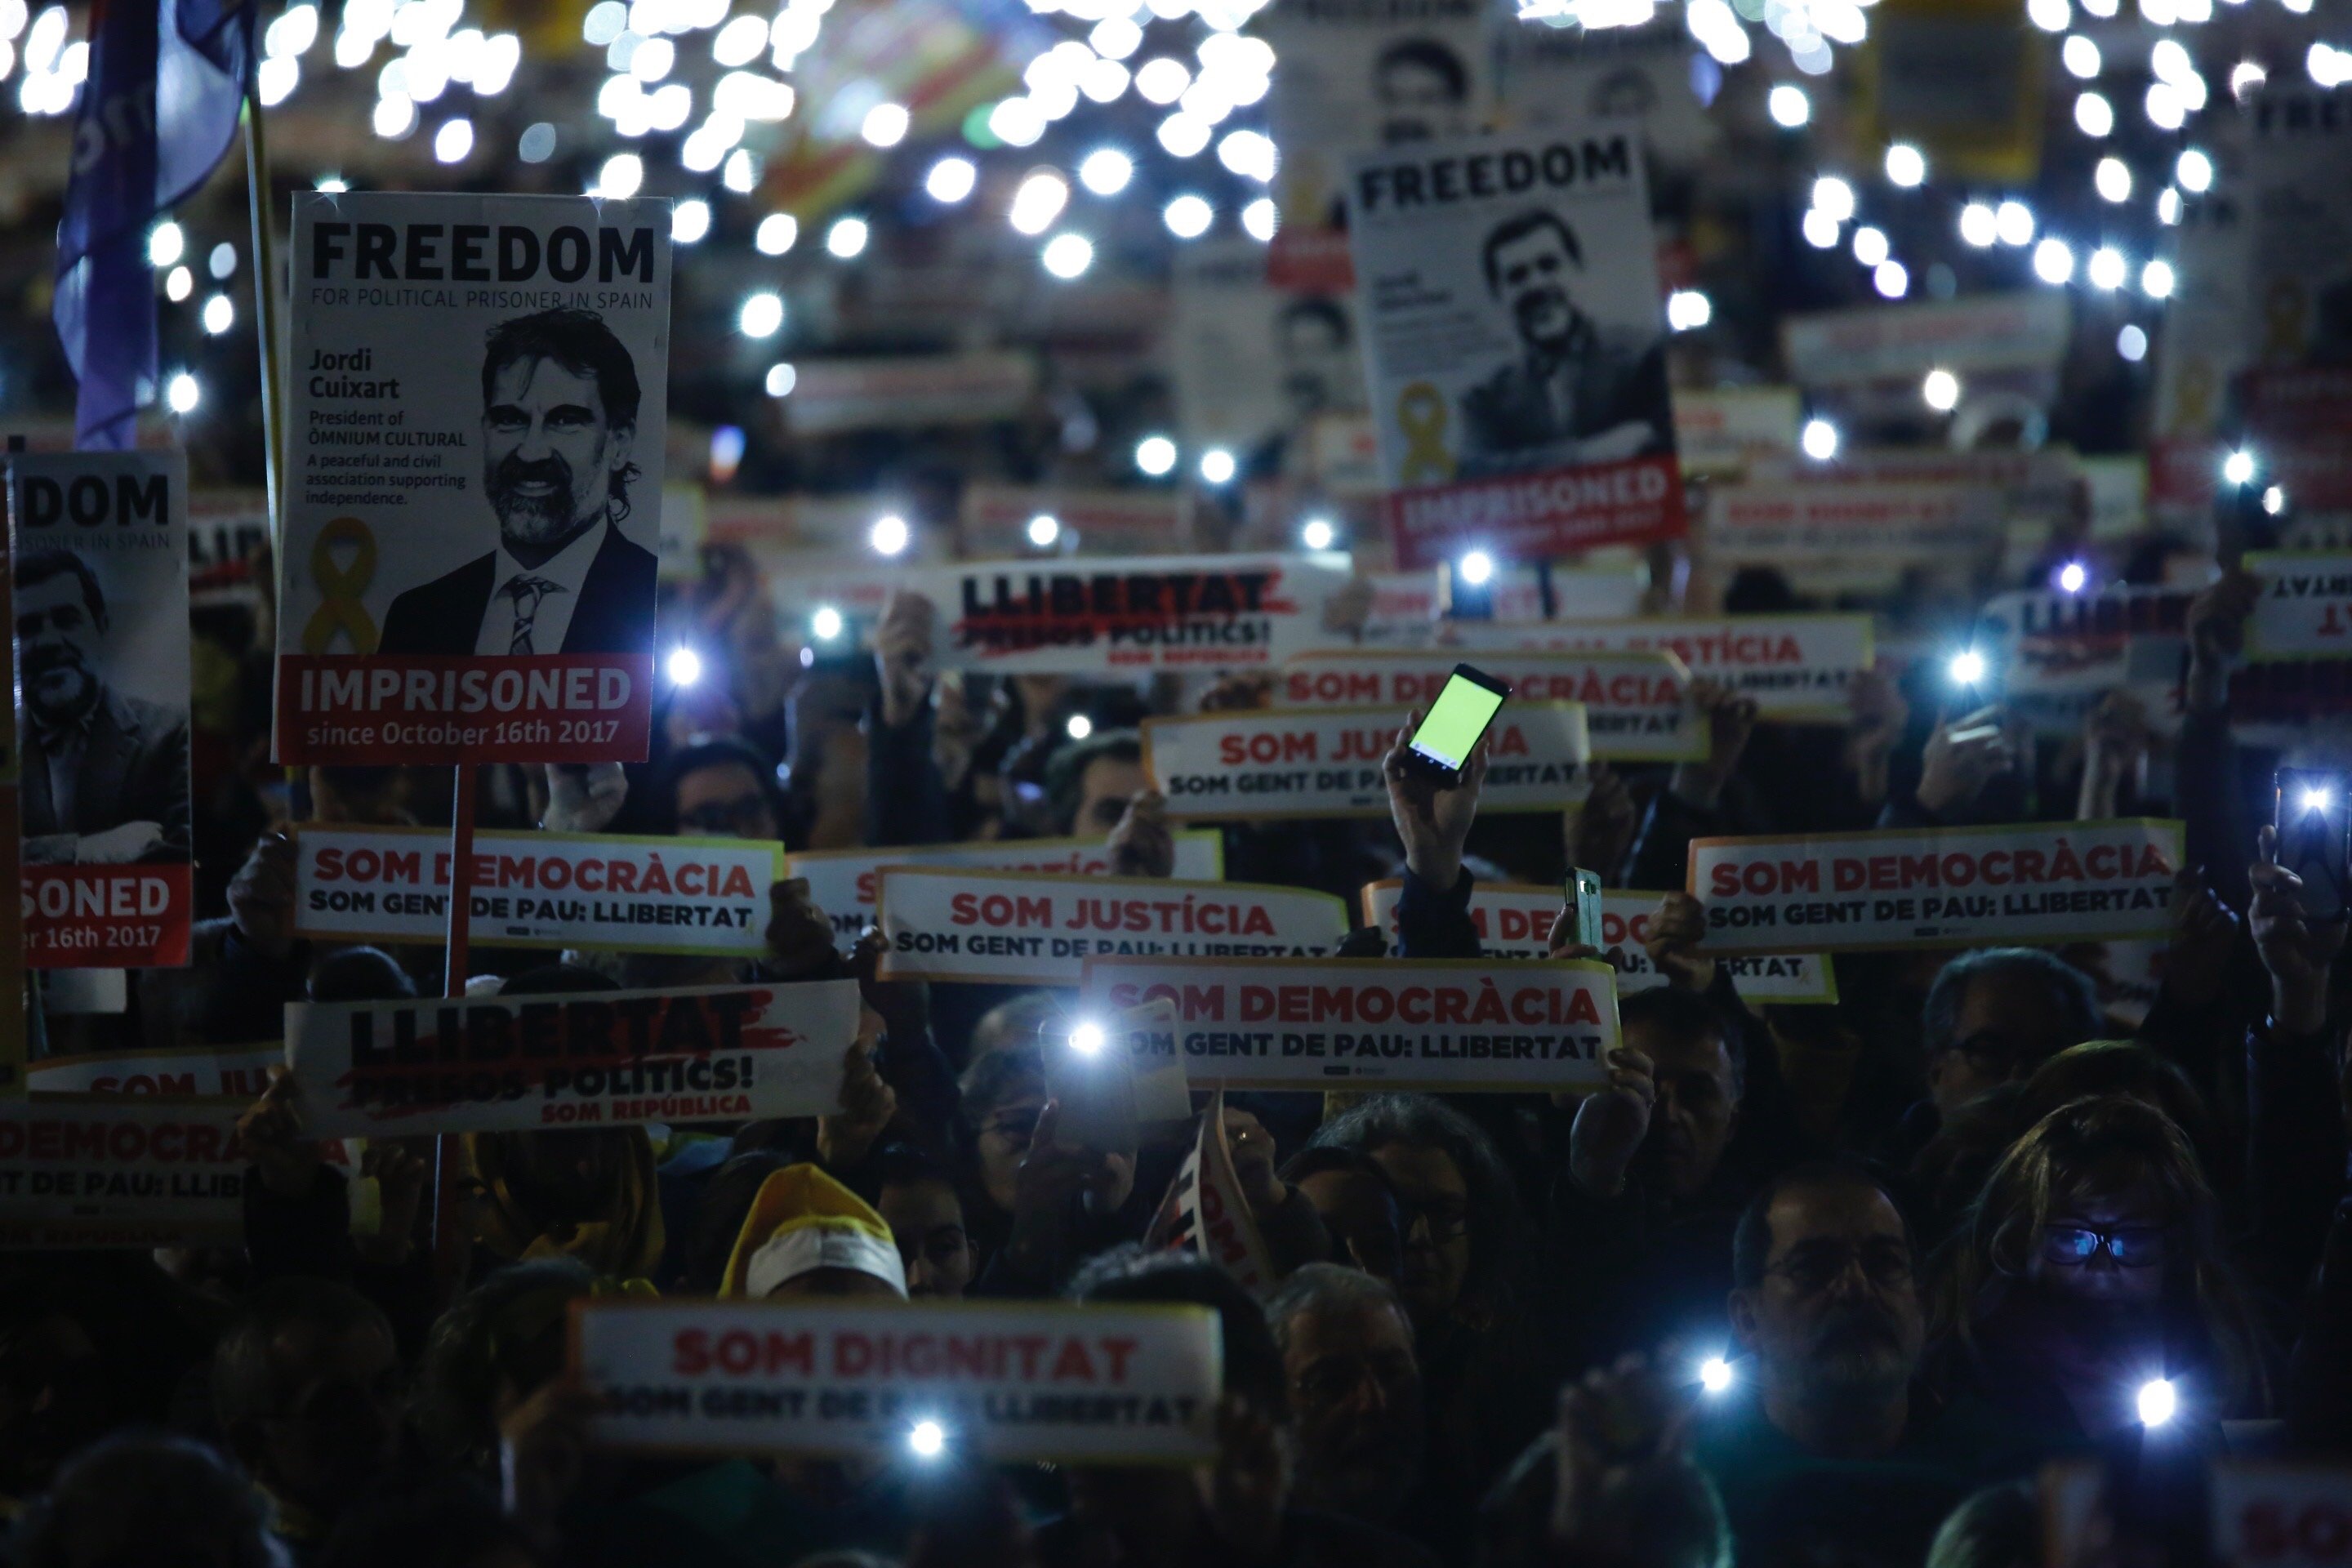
(2270, 1513)
(1098, 1382)
(1254, 765)
(1795, 667)
(598, 1059)
(1954, 886)
(1020, 928)
(847, 884)
(1903, 343)
(120, 1172)
(197, 1072)
(1856, 532)
(2306, 610)
(1453, 1026)
(1636, 706)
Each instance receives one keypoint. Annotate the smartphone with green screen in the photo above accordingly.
(1455, 724)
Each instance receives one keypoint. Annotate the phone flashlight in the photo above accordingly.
(1715, 1374)
(1967, 668)
(926, 1439)
(685, 666)
(1087, 1038)
(2158, 1401)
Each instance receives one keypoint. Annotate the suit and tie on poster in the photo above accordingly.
(1515, 339)
(476, 415)
(100, 576)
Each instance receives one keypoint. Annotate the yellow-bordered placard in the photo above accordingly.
(892, 1432)
(1689, 742)
(2170, 832)
(894, 967)
(487, 930)
(1825, 712)
(1335, 1074)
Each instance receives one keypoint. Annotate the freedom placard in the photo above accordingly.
(1103, 1382)
(101, 578)
(241, 1073)
(1953, 887)
(2306, 608)
(1019, 928)
(1129, 616)
(120, 1172)
(590, 890)
(1265, 764)
(1515, 343)
(1795, 667)
(604, 1059)
(477, 397)
(1514, 920)
(1637, 705)
(847, 884)
(1450, 1025)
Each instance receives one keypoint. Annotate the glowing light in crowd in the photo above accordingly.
(782, 378)
(2049, 16)
(846, 238)
(2094, 115)
(1977, 225)
(1161, 81)
(1182, 135)
(622, 175)
(183, 393)
(2273, 500)
(166, 243)
(1089, 1039)
(762, 315)
(1834, 196)
(684, 667)
(2194, 171)
(2106, 269)
(1821, 229)
(1079, 727)
(1106, 171)
(951, 180)
(890, 535)
(2158, 1402)
(1688, 309)
(1038, 201)
(2166, 110)
(1819, 439)
(220, 315)
(1261, 219)
(825, 623)
(1187, 217)
(2054, 261)
(2132, 342)
(1316, 533)
(1218, 466)
(776, 233)
(1067, 256)
(1789, 106)
(2081, 56)
(1905, 164)
(1043, 530)
(2013, 223)
(741, 171)
(1248, 154)
(1478, 568)
(1156, 456)
(2112, 178)
(334, 184)
(1869, 246)
(536, 143)
(1715, 1374)
(1967, 668)
(2238, 468)
(179, 284)
(1941, 390)
(885, 124)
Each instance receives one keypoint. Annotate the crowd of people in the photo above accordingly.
(1800, 1285)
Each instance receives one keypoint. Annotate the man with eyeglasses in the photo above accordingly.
(1823, 1435)
(1992, 1017)
(1355, 1394)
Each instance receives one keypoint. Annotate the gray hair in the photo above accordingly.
(1324, 1287)
(2069, 991)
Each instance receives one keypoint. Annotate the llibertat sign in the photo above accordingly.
(1451, 1025)
(1020, 928)
(1097, 1382)
(1953, 887)
(847, 884)
(598, 1059)
(1265, 764)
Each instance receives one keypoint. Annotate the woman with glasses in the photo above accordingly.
(2091, 1268)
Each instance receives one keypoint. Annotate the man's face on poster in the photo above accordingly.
(59, 636)
(548, 450)
(1531, 275)
(1418, 98)
(1313, 360)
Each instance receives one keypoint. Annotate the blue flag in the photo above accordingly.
(158, 110)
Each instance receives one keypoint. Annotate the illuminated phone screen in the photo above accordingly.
(1455, 720)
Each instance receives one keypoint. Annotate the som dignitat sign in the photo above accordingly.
(478, 395)
(1326, 761)
(101, 553)
(539, 890)
(847, 884)
(1172, 612)
(1637, 705)
(1514, 920)
(1015, 927)
(1955, 887)
(1016, 1380)
(606, 1058)
(1456, 1025)
(120, 1172)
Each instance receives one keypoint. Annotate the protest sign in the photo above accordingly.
(591, 890)
(1450, 1025)
(1255, 363)
(1515, 342)
(1857, 534)
(478, 395)
(1636, 704)
(2054, 655)
(194, 1072)
(1795, 667)
(1408, 610)
(2274, 1514)
(2306, 608)
(1514, 920)
(847, 884)
(1101, 1382)
(120, 1172)
(1989, 332)
(1023, 928)
(1130, 617)
(604, 1059)
(994, 521)
(101, 582)
(1556, 70)
(832, 395)
(1953, 887)
(1263, 765)
(227, 530)
(1723, 430)
(1206, 1213)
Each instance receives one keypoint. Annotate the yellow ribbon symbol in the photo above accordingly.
(1420, 415)
(340, 608)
